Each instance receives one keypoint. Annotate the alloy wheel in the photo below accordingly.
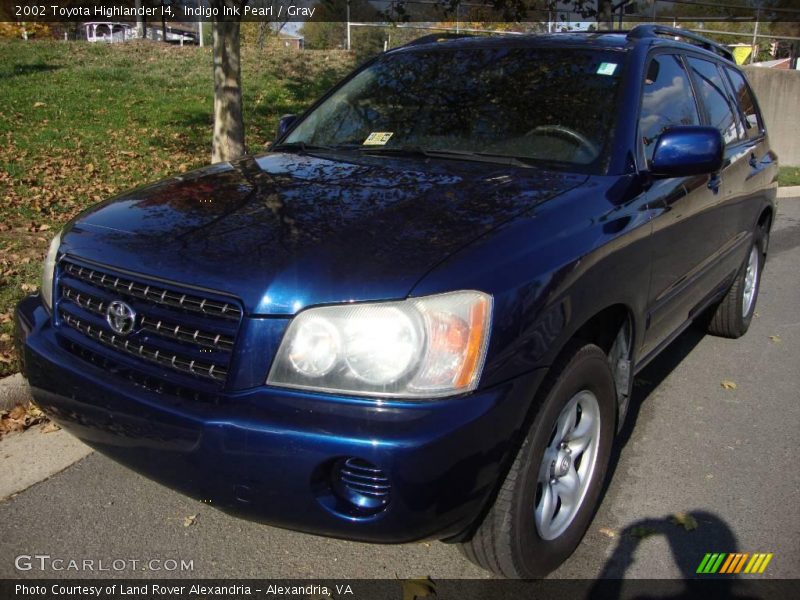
(568, 465)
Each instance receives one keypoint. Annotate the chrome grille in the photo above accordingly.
(187, 334)
(151, 384)
(146, 352)
(158, 326)
(154, 294)
(183, 333)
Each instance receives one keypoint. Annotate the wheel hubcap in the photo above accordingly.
(750, 279)
(568, 465)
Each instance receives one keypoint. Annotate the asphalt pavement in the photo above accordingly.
(723, 459)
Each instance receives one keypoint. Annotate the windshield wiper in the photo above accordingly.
(395, 150)
(419, 152)
(416, 151)
(303, 147)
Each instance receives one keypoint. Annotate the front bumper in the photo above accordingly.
(269, 453)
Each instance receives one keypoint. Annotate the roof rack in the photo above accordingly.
(435, 37)
(652, 31)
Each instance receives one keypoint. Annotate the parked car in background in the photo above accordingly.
(419, 315)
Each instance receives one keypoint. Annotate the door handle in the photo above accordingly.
(714, 182)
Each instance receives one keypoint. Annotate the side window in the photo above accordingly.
(667, 100)
(713, 93)
(752, 120)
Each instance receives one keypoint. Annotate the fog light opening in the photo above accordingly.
(360, 486)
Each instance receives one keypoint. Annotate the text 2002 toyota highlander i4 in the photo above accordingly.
(419, 315)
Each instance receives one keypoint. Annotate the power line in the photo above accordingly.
(748, 35)
(751, 8)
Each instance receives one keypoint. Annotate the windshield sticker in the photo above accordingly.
(378, 138)
(606, 68)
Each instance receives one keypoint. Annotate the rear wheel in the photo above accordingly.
(732, 316)
(550, 494)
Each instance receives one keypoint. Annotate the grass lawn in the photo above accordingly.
(789, 176)
(80, 122)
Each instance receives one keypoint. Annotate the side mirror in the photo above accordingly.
(285, 122)
(687, 150)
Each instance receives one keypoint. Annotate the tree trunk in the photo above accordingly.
(228, 139)
(163, 23)
(139, 21)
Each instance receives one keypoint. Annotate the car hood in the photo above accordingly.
(284, 231)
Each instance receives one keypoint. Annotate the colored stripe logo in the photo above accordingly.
(732, 563)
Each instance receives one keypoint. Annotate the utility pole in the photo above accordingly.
(348, 25)
(755, 38)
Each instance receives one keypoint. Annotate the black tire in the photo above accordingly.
(729, 318)
(508, 542)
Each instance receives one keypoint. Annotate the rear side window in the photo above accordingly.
(712, 91)
(667, 100)
(747, 104)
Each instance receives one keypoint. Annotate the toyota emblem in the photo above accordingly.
(120, 317)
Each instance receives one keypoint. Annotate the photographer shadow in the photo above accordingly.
(687, 550)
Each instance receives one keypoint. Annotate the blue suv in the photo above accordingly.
(419, 315)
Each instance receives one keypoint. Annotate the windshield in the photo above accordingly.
(539, 104)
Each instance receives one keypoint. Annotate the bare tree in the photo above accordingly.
(228, 138)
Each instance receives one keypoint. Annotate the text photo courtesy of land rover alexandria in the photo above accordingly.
(420, 313)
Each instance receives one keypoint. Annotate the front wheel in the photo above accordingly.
(550, 494)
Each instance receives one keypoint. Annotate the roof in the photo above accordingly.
(605, 40)
(593, 39)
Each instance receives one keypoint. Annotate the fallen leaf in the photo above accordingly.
(20, 418)
(38, 104)
(49, 427)
(190, 520)
(688, 522)
(18, 412)
(775, 338)
(608, 532)
(727, 384)
(418, 587)
(643, 532)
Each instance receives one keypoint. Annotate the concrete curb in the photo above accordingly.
(14, 390)
(792, 191)
(32, 456)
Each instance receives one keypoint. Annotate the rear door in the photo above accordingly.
(721, 111)
(748, 187)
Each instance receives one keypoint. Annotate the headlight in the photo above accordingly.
(47, 273)
(418, 348)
